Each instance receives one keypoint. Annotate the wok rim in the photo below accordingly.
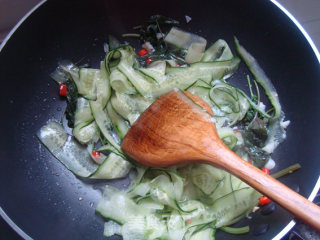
(316, 188)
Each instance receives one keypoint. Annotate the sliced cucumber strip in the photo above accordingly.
(64, 71)
(116, 205)
(201, 89)
(86, 132)
(66, 149)
(117, 55)
(141, 84)
(260, 77)
(206, 71)
(156, 72)
(136, 176)
(192, 42)
(191, 209)
(228, 101)
(207, 178)
(143, 227)
(228, 136)
(112, 167)
(183, 39)
(86, 84)
(103, 86)
(176, 225)
(120, 83)
(110, 148)
(237, 203)
(203, 234)
(141, 190)
(104, 124)
(219, 51)
(150, 204)
(119, 124)
(111, 228)
(195, 52)
(83, 112)
(162, 191)
(129, 106)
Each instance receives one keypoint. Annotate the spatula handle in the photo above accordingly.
(280, 193)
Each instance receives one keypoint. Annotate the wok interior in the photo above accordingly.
(41, 196)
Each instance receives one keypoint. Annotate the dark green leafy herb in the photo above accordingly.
(72, 96)
(259, 129)
(250, 115)
(148, 32)
(258, 157)
(253, 138)
(154, 25)
(255, 135)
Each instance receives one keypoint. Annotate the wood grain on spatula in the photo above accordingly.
(179, 128)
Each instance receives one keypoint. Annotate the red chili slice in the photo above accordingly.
(264, 200)
(62, 90)
(96, 154)
(142, 52)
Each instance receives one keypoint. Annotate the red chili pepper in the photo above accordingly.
(189, 221)
(250, 161)
(62, 90)
(149, 60)
(265, 170)
(142, 52)
(237, 130)
(264, 200)
(96, 154)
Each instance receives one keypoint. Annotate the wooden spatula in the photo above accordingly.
(178, 128)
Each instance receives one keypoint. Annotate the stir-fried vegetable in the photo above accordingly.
(180, 202)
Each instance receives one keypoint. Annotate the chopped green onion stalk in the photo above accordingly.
(286, 171)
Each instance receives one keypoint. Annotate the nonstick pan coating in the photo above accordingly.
(47, 201)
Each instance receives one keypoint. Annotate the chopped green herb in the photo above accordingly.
(154, 26)
(72, 96)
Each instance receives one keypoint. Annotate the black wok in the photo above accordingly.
(47, 201)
